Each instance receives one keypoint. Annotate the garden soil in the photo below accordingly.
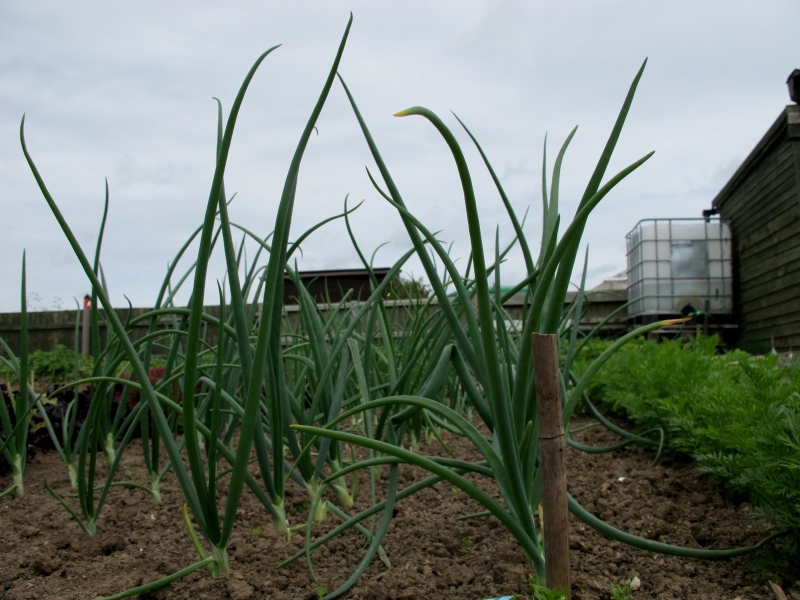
(44, 555)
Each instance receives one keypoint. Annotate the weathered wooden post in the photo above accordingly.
(551, 456)
(86, 326)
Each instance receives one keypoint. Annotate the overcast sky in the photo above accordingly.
(124, 91)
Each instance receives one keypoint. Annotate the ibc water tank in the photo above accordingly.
(675, 262)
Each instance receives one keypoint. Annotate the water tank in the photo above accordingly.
(675, 262)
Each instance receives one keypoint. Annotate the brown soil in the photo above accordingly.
(44, 555)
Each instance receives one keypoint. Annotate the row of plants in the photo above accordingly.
(737, 415)
(290, 399)
(50, 366)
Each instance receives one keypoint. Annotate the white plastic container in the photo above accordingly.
(675, 262)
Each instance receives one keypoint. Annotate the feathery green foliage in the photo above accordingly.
(737, 415)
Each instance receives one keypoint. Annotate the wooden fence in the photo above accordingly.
(46, 330)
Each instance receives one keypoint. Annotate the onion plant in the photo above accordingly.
(261, 367)
(65, 442)
(15, 422)
(501, 363)
(196, 489)
(504, 372)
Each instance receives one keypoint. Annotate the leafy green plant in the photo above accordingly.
(541, 592)
(737, 415)
(58, 365)
(623, 592)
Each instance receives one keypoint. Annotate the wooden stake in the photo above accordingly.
(86, 323)
(551, 456)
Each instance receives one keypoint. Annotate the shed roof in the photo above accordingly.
(305, 275)
(787, 125)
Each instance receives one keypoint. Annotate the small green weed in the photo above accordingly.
(298, 508)
(623, 592)
(540, 592)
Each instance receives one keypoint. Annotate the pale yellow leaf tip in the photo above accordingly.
(675, 321)
(778, 591)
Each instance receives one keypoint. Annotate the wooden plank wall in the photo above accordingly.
(764, 214)
(769, 281)
(768, 191)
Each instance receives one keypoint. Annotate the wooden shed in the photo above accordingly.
(761, 203)
(331, 286)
